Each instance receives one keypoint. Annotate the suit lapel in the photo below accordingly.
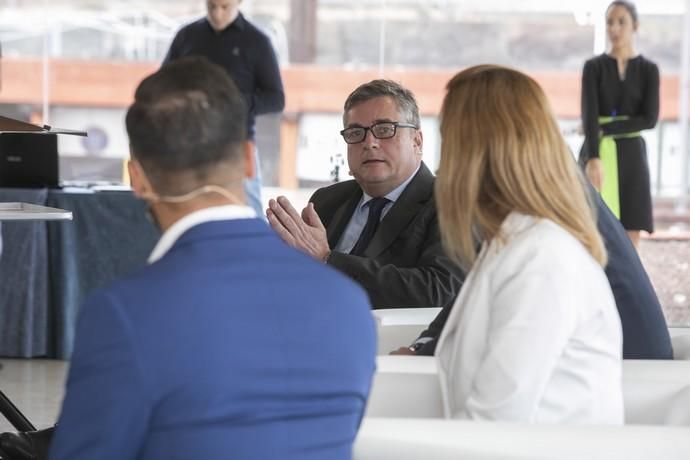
(414, 197)
(341, 217)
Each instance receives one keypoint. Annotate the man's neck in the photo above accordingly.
(167, 214)
(380, 190)
(230, 23)
(375, 191)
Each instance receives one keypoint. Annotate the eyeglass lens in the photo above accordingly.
(379, 130)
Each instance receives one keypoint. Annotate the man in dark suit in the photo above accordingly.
(381, 228)
(213, 350)
(645, 334)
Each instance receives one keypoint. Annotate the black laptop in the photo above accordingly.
(29, 154)
(29, 160)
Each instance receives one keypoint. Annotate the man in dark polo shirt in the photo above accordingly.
(226, 38)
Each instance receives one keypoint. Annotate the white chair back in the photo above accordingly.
(413, 439)
(405, 386)
(406, 316)
(680, 340)
(654, 392)
(399, 327)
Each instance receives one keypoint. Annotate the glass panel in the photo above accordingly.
(75, 64)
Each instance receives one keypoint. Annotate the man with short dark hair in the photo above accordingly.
(213, 350)
(228, 39)
(381, 228)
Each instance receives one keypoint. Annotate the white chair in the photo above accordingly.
(680, 340)
(398, 327)
(405, 316)
(405, 386)
(654, 392)
(408, 439)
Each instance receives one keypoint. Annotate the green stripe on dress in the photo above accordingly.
(608, 154)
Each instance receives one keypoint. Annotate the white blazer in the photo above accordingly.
(534, 335)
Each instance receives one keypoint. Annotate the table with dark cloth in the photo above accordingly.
(48, 268)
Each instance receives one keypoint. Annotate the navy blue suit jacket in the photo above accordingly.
(232, 345)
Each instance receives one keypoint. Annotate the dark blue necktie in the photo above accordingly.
(376, 206)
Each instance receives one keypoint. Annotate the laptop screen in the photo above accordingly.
(28, 160)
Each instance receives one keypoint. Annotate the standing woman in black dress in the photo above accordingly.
(620, 97)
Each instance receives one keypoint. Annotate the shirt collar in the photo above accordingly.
(215, 213)
(394, 194)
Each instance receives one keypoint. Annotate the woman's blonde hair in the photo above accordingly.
(502, 151)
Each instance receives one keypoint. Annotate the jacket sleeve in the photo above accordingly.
(174, 50)
(532, 315)
(105, 413)
(589, 110)
(428, 339)
(268, 95)
(433, 281)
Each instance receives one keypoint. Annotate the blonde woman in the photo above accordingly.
(534, 335)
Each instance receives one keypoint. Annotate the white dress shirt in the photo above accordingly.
(359, 217)
(534, 335)
(214, 213)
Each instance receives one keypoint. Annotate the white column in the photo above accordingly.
(683, 107)
(46, 77)
(382, 39)
(599, 20)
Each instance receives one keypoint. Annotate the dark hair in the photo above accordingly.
(186, 118)
(630, 6)
(381, 88)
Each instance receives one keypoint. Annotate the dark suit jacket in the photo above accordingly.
(215, 351)
(645, 334)
(404, 265)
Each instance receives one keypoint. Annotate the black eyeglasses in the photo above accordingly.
(381, 130)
